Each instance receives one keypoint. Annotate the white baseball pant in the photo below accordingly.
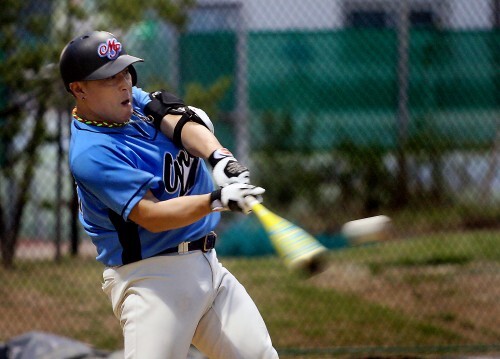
(167, 302)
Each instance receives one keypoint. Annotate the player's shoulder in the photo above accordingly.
(90, 150)
(140, 98)
(89, 137)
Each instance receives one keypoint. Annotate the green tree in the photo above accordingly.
(28, 83)
(33, 34)
(124, 13)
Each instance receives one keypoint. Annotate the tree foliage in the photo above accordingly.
(124, 13)
(33, 35)
(27, 83)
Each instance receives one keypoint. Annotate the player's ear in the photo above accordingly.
(77, 89)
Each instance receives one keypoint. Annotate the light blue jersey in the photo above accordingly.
(113, 169)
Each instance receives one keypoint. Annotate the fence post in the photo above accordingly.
(402, 116)
(241, 129)
(59, 160)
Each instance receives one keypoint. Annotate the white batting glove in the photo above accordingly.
(226, 169)
(232, 197)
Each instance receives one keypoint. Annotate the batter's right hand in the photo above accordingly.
(232, 197)
(226, 169)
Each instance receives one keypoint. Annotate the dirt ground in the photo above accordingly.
(37, 249)
(462, 298)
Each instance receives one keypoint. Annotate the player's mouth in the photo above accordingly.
(126, 102)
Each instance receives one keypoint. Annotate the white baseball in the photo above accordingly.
(365, 230)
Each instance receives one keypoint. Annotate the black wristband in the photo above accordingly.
(215, 195)
(221, 154)
(215, 200)
(212, 160)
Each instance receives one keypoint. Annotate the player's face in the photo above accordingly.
(110, 99)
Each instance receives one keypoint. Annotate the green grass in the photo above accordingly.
(66, 298)
(458, 248)
(300, 314)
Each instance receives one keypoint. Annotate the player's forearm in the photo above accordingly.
(178, 212)
(196, 138)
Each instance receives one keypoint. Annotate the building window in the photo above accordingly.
(367, 18)
(384, 14)
(422, 18)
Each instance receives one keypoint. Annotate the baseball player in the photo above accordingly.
(148, 202)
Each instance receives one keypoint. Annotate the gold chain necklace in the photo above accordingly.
(98, 123)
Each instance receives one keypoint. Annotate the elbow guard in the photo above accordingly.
(194, 114)
(161, 104)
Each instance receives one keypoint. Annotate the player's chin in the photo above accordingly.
(126, 110)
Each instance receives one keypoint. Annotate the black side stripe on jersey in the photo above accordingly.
(128, 235)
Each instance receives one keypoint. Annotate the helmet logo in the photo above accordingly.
(110, 49)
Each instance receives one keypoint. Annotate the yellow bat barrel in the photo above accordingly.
(299, 249)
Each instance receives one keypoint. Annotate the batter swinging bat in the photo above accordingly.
(299, 250)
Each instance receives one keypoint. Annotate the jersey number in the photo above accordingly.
(179, 174)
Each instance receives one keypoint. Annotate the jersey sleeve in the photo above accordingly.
(112, 178)
(140, 98)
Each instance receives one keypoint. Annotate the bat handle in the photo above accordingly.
(251, 201)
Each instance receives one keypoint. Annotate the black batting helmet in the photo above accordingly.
(94, 56)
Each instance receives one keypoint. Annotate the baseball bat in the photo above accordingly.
(299, 249)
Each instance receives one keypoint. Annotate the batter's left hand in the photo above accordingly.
(232, 197)
(226, 169)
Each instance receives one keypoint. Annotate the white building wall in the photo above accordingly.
(471, 14)
(291, 14)
(327, 14)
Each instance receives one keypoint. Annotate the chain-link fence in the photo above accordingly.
(341, 109)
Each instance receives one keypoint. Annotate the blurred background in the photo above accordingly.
(342, 110)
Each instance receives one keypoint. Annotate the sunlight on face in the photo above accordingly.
(109, 99)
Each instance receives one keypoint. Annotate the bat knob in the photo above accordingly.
(314, 265)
